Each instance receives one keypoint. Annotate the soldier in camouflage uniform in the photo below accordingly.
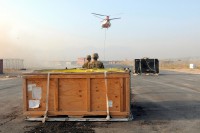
(86, 64)
(95, 63)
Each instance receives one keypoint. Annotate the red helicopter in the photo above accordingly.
(105, 22)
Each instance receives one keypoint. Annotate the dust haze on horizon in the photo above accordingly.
(65, 30)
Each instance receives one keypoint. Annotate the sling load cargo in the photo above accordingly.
(105, 24)
(105, 21)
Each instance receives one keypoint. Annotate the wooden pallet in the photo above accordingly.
(79, 119)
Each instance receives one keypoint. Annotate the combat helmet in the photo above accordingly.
(95, 56)
(88, 57)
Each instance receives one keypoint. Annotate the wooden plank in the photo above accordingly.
(25, 96)
(56, 93)
(79, 76)
(75, 113)
(72, 94)
(34, 113)
(78, 73)
(121, 95)
(98, 95)
(88, 95)
(128, 94)
(89, 113)
(114, 94)
(78, 119)
(124, 96)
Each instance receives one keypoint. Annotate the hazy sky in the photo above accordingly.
(66, 30)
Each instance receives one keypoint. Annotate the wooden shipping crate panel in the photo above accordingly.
(81, 94)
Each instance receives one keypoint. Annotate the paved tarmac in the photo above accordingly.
(169, 102)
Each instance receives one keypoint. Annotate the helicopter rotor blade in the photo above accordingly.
(99, 17)
(98, 14)
(114, 18)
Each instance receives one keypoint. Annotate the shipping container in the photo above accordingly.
(77, 94)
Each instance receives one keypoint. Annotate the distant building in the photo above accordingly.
(13, 64)
(56, 64)
(68, 63)
(81, 61)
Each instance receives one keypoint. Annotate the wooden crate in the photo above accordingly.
(78, 94)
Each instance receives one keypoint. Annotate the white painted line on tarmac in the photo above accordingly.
(173, 86)
(7, 84)
(6, 78)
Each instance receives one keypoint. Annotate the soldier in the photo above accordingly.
(95, 63)
(86, 64)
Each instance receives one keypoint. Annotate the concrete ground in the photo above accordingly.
(169, 102)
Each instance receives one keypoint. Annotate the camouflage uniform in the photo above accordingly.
(86, 64)
(95, 63)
